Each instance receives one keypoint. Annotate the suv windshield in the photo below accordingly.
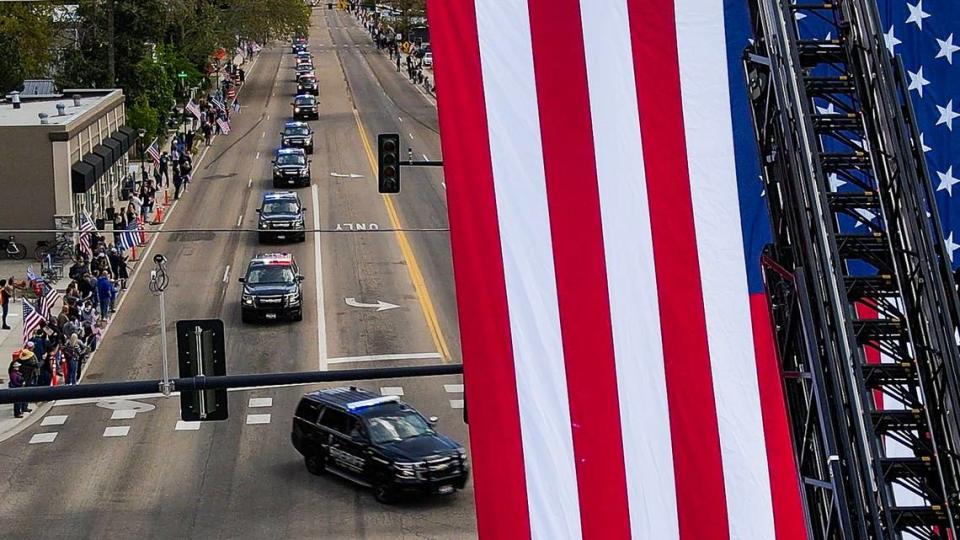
(280, 207)
(301, 130)
(397, 427)
(304, 100)
(291, 159)
(270, 274)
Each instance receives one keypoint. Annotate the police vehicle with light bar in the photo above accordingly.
(308, 85)
(291, 168)
(281, 217)
(297, 135)
(378, 442)
(272, 289)
(305, 107)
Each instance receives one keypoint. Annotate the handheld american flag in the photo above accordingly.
(48, 299)
(224, 126)
(154, 152)
(218, 103)
(86, 227)
(31, 320)
(129, 237)
(194, 109)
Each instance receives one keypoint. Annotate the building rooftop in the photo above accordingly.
(30, 108)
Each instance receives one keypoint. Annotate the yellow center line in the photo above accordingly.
(419, 284)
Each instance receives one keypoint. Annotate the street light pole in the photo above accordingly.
(143, 167)
(159, 280)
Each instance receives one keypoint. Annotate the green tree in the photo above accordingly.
(26, 41)
(140, 115)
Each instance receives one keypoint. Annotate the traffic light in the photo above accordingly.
(201, 351)
(388, 161)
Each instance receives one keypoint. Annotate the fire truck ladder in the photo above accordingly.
(861, 293)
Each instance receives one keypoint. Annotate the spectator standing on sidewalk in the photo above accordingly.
(16, 381)
(118, 265)
(164, 169)
(28, 365)
(74, 352)
(398, 63)
(105, 295)
(177, 183)
(236, 104)
(6, 293)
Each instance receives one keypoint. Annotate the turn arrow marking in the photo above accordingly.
(341, 175)
(380, 305)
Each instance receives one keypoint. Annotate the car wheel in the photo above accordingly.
(244, 317)
(315, 464)
(310, 150)
(384, 494)
(298, 316)
(262, 238)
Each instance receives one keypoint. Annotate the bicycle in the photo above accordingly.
(12, 249)
(63, 249)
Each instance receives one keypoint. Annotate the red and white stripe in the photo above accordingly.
(606, 324)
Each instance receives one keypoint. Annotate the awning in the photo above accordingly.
(116, 148)
(125, 142)
(82, 176)
(97, 163)
(131, 135)
(106, 154)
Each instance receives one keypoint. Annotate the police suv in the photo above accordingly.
(291, 168)
(271, 289)
(281, 217)
(308, 85)
(305, 107)
(297, 134)
(377, 441)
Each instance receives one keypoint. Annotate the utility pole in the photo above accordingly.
(111, 47)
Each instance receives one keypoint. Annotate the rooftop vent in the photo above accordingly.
(15, 97)
(43, 118)
(76, 100)
(60, 108)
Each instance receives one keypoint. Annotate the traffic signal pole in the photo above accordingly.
(200, 383)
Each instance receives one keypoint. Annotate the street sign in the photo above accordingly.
(201, 351)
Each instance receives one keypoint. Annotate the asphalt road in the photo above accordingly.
(241, 478)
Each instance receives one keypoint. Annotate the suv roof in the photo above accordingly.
(295, 151)
(280, 196)
(295, 123)
(282, 259)
(350, 398)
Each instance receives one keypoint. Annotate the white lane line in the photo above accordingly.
(186, 426)
(123, 414)
(116, 431)
(260, 402)
(226, 273)
(40, 438)
(456, 403)
(453, 388)
(318, 285)
(54, 420)
(249, 182)
(268, 116)
(444, 184)
(400, 119)
(258, 419)
(258, 155)
(411, 135)
(425, 157)
(383, 357)
(391, 391)
(239, 220)
(263, 134)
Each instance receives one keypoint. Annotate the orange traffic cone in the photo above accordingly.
(166, 197)
(133, 253)
(158, 216)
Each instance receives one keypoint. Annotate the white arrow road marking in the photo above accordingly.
(352, 175)
(342, 175)
(380, 305)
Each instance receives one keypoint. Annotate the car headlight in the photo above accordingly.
(247, 300)
(292, 298)
(296, 109)
(409, 470)
(304, 170)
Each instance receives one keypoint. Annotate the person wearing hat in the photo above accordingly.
(16, 381)
(28, 364)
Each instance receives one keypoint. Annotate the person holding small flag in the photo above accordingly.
(6, 293)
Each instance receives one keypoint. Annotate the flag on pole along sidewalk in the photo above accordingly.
(154, 152)
(607, 317)
(194, 109)
(224, 126)
(129, 237)
(86, 228)
(218, 103)
(31, 320)
(48, 299)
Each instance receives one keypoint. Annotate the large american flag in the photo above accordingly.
(224, 126)
(86, 228)
(194, 109)
(130, 237)
(31, 320)
(926, 35)
(614, 331)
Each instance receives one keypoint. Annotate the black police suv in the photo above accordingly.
(291, 168)
(377, 441)
(299, 44)
(305, 108)
(303, 70)
(281, 217)
(297, 135)
(308, 85)
(272, 289)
